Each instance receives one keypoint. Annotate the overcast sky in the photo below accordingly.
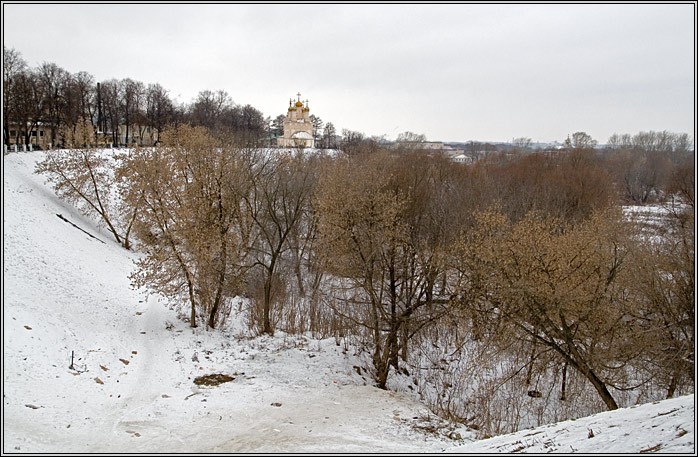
(454, 72)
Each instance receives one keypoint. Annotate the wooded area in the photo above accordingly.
(515, 285)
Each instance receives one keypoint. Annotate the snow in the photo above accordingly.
(663, 426)
(131, 389)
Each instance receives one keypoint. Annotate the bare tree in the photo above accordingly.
(542, 280)
(277, 125)
(13, 65)
(641, 175)
(159, 109)
(682, 183)
(356, 143)
(317, 128)
(580, 141)
(210, 109)
(78, 109)
(644, 165)
(132, 104)
(328, 136)
(278, 202)
(52, 80)
(189, 222)
(85, 177)
(252, 126)
(25, 106)
(110, 93)
(384, 248)
(664, 287)
(411, 140)
(522, 143)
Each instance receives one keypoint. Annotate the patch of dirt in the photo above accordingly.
(212, 379)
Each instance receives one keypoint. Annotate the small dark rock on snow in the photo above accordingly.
(212, 379)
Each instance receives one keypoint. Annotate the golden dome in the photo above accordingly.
(299, 103)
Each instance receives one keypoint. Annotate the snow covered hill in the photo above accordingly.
(664, 426)
(91, 365)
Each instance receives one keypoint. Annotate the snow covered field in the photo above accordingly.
(130, 388)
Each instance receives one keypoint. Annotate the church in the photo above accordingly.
(298, 129)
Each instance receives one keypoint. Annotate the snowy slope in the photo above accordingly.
(665, 426)
(131, 386)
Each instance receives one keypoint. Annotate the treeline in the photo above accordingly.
(513, 280)
(644, 167)
(648, 165)
(81, 112)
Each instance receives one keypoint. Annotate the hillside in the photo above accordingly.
(91, 365)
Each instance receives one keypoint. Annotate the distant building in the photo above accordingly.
(298, 129)
(462, 158)
(432, 145)
(39, 135)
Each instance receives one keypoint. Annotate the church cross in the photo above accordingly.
(299, 96)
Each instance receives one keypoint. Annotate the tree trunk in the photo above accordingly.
(392, 346)
(574, 358)
(127, 243)
(222, 232)
(531, 359)
(266, 310)
(672, 385)
(383, 358)
(101, 209)
(221, 284)
(405, 337)
(563, 396)
(382, 369)
(299, 277)
(603, 391)
(187, 276)
(598, 384)
(192, 300)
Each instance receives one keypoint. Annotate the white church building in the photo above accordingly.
(298, 129)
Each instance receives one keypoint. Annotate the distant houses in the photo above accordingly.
(39, 137)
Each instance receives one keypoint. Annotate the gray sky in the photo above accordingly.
(453, 72)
